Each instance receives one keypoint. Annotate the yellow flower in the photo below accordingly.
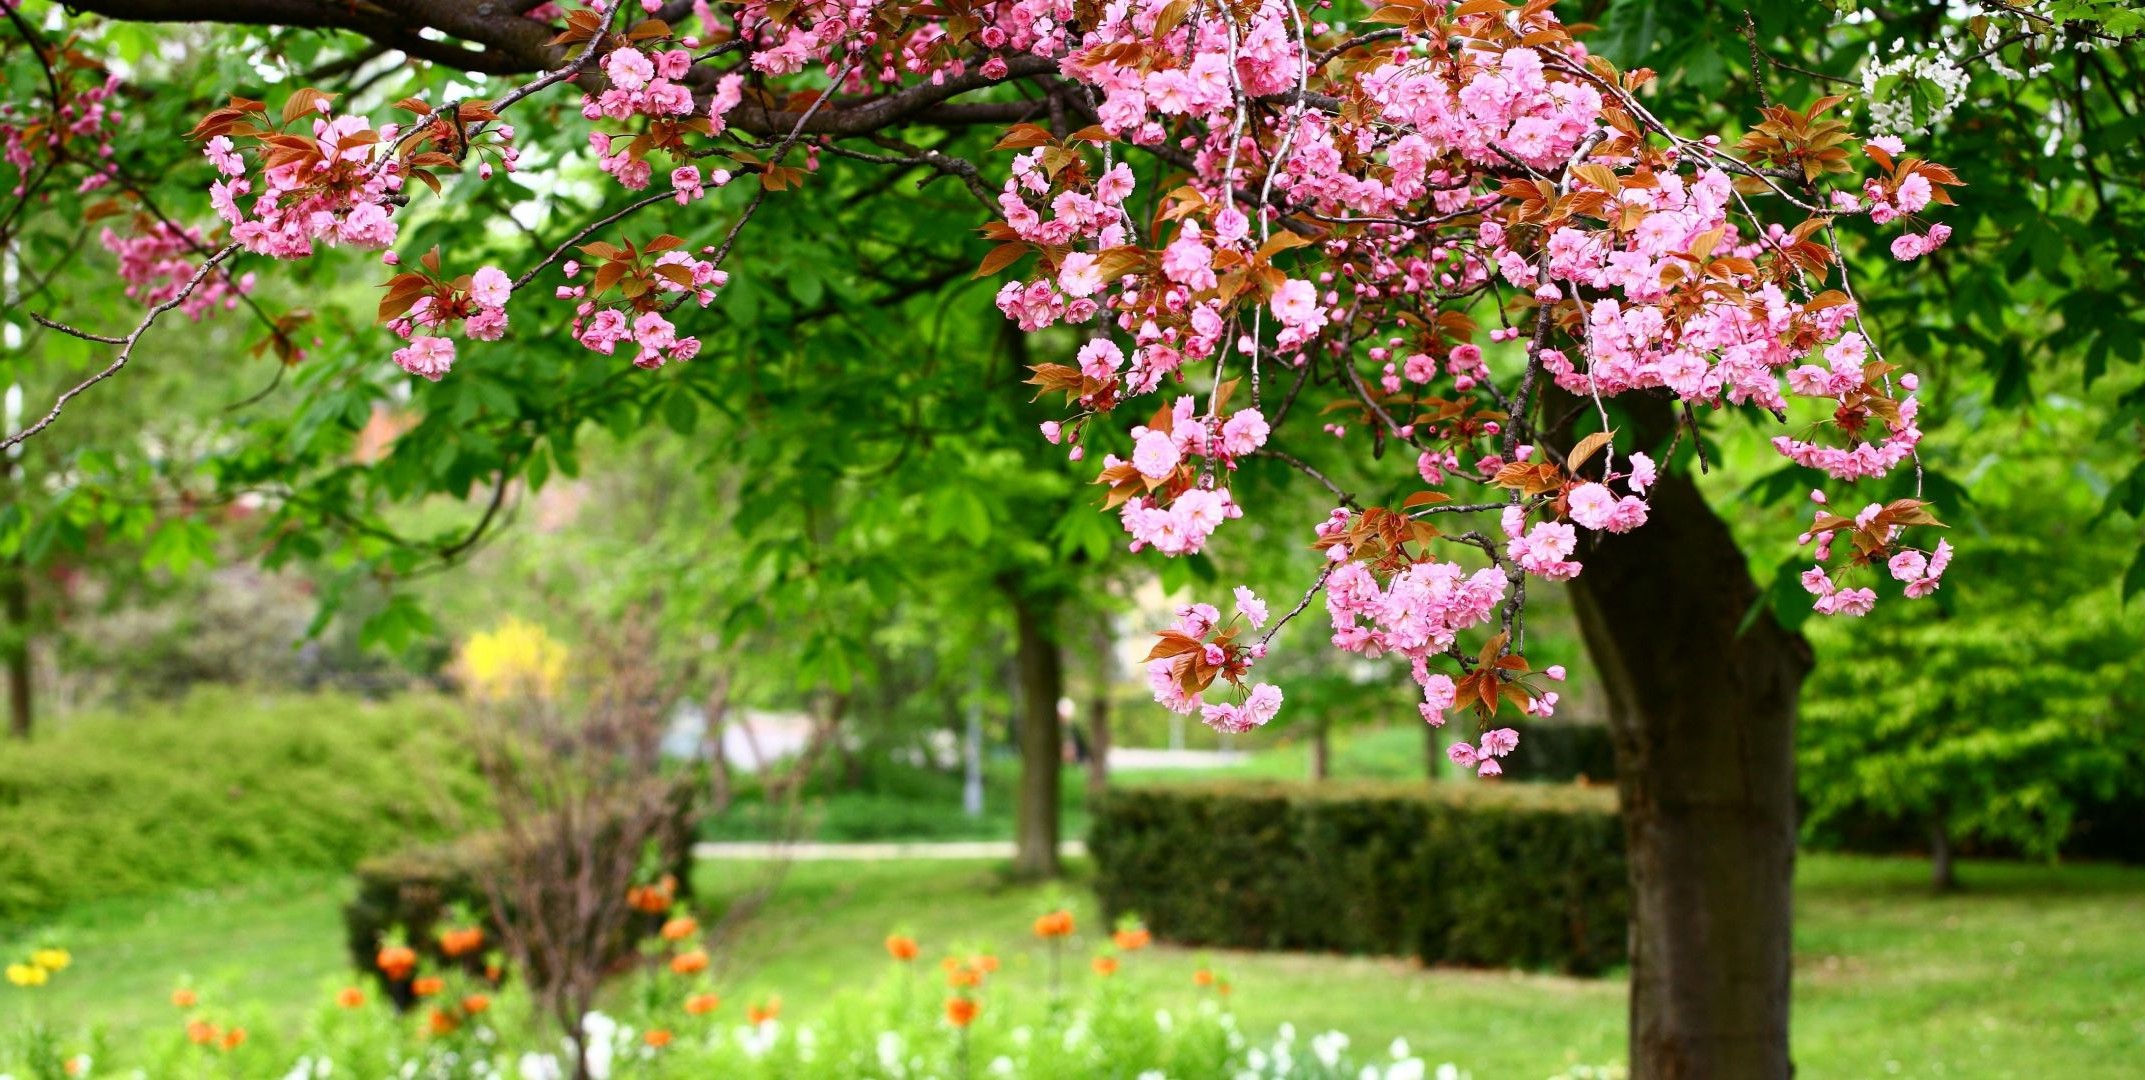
(517, 659)
(26, 975)
(52, 959)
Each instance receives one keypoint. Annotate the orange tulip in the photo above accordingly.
(428, 986)
(234, 1038)
(476, 1003)
(1055, 924)
(350, 998)
(396, 961)
(442, 1022)
(701, 1004)
(901, 948)
(690, 963)
(1105, 966)
(653, 899)
(961, 1012)
(680, 928)
(461, 942)
(1132, 940)
(986, 963)
(1202, 977)
(184, 998)
(200, 1032)
(760, 1014)
(657, 1038)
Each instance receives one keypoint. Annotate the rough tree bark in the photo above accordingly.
(1703, 719)
(1039, 663)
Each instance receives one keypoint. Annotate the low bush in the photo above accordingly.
(409, 897)
(1523, 875)
(222, 786)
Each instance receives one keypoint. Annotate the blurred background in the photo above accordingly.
(281, 627)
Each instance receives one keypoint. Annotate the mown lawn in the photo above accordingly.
(2033, 971)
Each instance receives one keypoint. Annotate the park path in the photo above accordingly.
(813, 852)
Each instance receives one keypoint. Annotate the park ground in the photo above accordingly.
(2030, 971)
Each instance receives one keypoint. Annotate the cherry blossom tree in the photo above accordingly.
(1446, 237)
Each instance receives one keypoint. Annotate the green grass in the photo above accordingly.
(2033, 971)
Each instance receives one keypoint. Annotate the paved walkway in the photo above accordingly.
(965, 849)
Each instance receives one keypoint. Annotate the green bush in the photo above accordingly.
(410, 891)
(220, 787)
(1523, 875)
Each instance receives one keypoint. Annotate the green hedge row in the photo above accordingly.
(222, 786)
(1490, 874)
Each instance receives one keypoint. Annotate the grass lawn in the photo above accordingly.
(2033, 971)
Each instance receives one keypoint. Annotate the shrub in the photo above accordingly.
(410, 892)
(220, 787)
(1489, 874)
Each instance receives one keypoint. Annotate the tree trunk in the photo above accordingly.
(1040, 663)
(15, 585)
(1098, 712)
(1703, 718)
(14, 581)
(1433, 753)
(713, 738)
(1321, 750)
(1942, 874)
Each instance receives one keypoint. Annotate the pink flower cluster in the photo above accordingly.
(158, 262)
(1846, 379)
(1483, 759)
(1260, 703)
(1418, 613)
(479, 305)
(341, 193)
(641, 323)
(49, 133)
(1184, 525)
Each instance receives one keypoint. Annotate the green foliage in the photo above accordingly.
(221, 787)
(1521, 875)
(1993, 727)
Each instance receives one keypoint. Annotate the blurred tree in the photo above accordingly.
(1983, 725)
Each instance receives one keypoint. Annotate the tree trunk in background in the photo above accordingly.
(1040, 665)
(1703, 720)
(15, 584)
(1433, 753)
(1098, 711)
(718, 717)
(14, 581)
(1942, 874)
(1321, 750)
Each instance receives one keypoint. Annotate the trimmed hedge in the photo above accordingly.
(414, 889)
(222, 786)
(1519, 875)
